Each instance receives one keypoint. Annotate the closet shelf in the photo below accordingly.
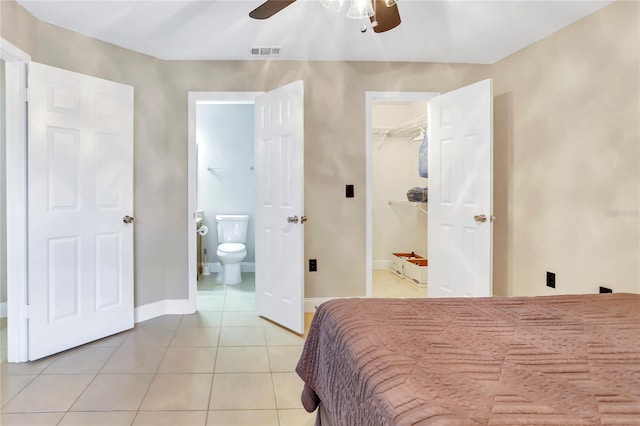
(416, 204)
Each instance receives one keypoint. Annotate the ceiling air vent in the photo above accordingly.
(265, 51)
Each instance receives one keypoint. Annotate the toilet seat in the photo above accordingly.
(231, 248)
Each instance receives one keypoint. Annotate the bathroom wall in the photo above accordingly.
(396, 227)
(3, 198)
(226, 180)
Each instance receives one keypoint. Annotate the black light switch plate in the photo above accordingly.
(313, 265)
(349, 192)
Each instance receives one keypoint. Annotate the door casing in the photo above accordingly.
(17, 63)
(195, 98)
(370, 99)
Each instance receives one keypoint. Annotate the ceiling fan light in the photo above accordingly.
(333, 5)
(360, 9)
(389, 3)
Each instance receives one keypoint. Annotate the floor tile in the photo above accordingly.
(288, 389)
(242, 360)
(164, 321)
(206, 303)
(243, 304)
(149, 336)
(178, 392)
(114, 392)
(98, 418)
(38, 395)
(240, 319)
(196, 336)
(188, 360)
(202, 319)
(242, 336)
(243, 418)
(32, 367)
(135, 360)
(297, 417)
(11, 385)
(278, 336)
(81, 360)
(284, 358)
(245, 391)
(110, 341)
(31, 419)
(171, 418)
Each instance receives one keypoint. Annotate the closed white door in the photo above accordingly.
(279, 206)
(461, 192)
(80, 185)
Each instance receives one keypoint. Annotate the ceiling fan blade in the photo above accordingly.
(387, 17)
(269, 8)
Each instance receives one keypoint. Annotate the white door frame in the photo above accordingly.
(195, 98)
(17, 63)
(370, 99)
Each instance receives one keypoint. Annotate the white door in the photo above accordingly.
(461, 192)
(279, 206)
(80, 184)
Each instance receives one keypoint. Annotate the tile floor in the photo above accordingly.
(388, 284)
(220, 366)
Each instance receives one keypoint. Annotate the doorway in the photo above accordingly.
(396, 124)
(221, 181)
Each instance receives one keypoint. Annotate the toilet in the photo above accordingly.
(232, 234)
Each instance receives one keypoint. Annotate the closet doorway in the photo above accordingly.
(396, 125)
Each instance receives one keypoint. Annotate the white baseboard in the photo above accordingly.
(312, 303)
(181, 307)
(216, 267)
(3, 310)
(382, 264)
(161, 307)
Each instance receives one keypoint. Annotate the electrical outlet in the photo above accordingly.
(349, 191)
(551, 279)
(605, 290)
(313, 265)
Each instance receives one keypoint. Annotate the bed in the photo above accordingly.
(552, 360)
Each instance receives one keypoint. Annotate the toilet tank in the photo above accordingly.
(232, 228)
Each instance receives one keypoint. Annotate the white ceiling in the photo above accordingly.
(480, 32)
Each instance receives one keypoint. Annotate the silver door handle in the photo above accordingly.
(480, 218)
(127, 219)
(303, 219)
(292, 219)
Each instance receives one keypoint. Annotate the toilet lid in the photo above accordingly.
(231, 247)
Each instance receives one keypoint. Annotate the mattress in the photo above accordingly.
(552, 360)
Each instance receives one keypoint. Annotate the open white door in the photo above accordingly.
(461, 192)
(80, 184)
(279, 206)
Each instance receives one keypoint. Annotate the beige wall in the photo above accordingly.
(567, 150)
(334, 148)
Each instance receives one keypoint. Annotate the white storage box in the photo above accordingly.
(416, 271)
(398, 261)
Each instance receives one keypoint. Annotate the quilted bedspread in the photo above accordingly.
(549, 360)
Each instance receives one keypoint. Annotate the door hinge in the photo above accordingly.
(25, 311)
(26, 94)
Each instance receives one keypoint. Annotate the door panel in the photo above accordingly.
(461, 188)
(80, 186)
(280, 243)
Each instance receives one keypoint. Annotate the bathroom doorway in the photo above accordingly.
(224, 185)
(397, 123)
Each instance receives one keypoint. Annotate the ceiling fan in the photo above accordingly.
(385, 17)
